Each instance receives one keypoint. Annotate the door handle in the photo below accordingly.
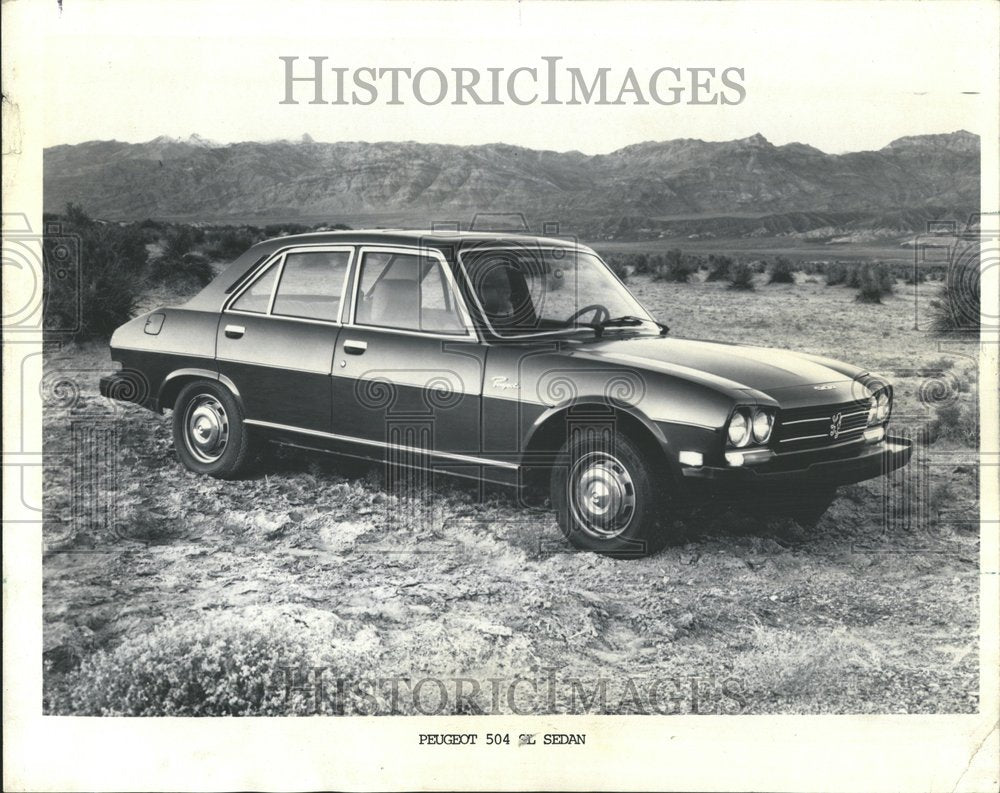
(235, 331)
(352, 347)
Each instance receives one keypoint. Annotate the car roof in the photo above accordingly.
(426, 238)
(214, 295)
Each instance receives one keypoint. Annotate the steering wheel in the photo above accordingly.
(601, 313)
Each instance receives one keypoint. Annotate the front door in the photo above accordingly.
(277, 337)
(407, 375)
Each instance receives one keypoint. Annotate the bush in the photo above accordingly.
(229, 243)
(178, 241)
(912, 278)
(618, 267)
(94, 275)
(284, 229)
(957, 308)
(718, 268)
(231, 664)
(836, 274)
(781, 272)
(190, 270)
(640, 264)
(741, 276)
(872, 285)
(853, 278)
(954, 422)
(673, 267)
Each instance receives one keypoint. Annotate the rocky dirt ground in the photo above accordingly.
(310, 587)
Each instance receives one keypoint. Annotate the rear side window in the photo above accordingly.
(311, 286)
(257, 298)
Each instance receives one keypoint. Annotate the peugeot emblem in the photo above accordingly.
(835, 421)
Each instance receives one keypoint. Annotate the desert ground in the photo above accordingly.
(309, 588)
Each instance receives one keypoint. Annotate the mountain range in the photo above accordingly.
(748, 186)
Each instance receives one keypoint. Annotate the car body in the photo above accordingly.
(505, 358)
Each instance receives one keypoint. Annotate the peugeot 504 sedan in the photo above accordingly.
(510, 359)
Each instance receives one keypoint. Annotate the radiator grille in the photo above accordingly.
(812, 427)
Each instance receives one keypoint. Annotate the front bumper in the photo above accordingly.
(870, 461)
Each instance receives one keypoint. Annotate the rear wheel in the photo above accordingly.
(609, 497)
(209, 435)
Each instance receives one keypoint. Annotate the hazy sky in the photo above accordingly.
(839, 76)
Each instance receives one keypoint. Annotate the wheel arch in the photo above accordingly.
(176, 380)
(551, 430)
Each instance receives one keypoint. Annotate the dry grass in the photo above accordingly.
(313, 564)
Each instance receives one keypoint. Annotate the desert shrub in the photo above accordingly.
(955, 422)
(178, 241)
(873, 284)
(229, 243)
(228, 664)
(911, 278)
(94, 275)
(673, 267)
(853, 276)
(956, 310)
(618, 266)
(283, 229)
(836, 274)
(741, 276)
(189, 270)
(640, 264)
(718, 268)
(781, 272)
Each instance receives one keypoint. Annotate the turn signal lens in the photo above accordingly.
(882, 407)
(763, 423)
(872, 410)
(739, 429)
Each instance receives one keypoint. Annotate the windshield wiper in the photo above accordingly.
(626, 321)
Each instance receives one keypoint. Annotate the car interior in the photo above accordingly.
(407, 292)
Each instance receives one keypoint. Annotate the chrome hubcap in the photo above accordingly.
(602, 495)
(206, 428)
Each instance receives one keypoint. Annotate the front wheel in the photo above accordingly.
(608, 496)
(209, 435)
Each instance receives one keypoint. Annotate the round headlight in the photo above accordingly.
(739, 429)
(882, 408)
(762, 424)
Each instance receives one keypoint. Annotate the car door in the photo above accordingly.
(277, 337)
(408, 368)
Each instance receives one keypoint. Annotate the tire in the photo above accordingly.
(209, 434)
(608, 496)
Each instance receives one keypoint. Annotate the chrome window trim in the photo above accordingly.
(469, 335)
(464, 458)
(278, 260)
(562, 331)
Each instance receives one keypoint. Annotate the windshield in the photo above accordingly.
(542, 291)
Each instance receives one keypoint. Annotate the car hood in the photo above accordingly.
(771, 371)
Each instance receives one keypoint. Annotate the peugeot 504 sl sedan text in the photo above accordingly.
(510, 359)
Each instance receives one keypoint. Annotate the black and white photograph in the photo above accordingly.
(502, 395)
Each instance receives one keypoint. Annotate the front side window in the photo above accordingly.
(528, 291)
(311, 285)
(407, 292)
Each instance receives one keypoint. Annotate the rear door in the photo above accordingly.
(278, 334)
